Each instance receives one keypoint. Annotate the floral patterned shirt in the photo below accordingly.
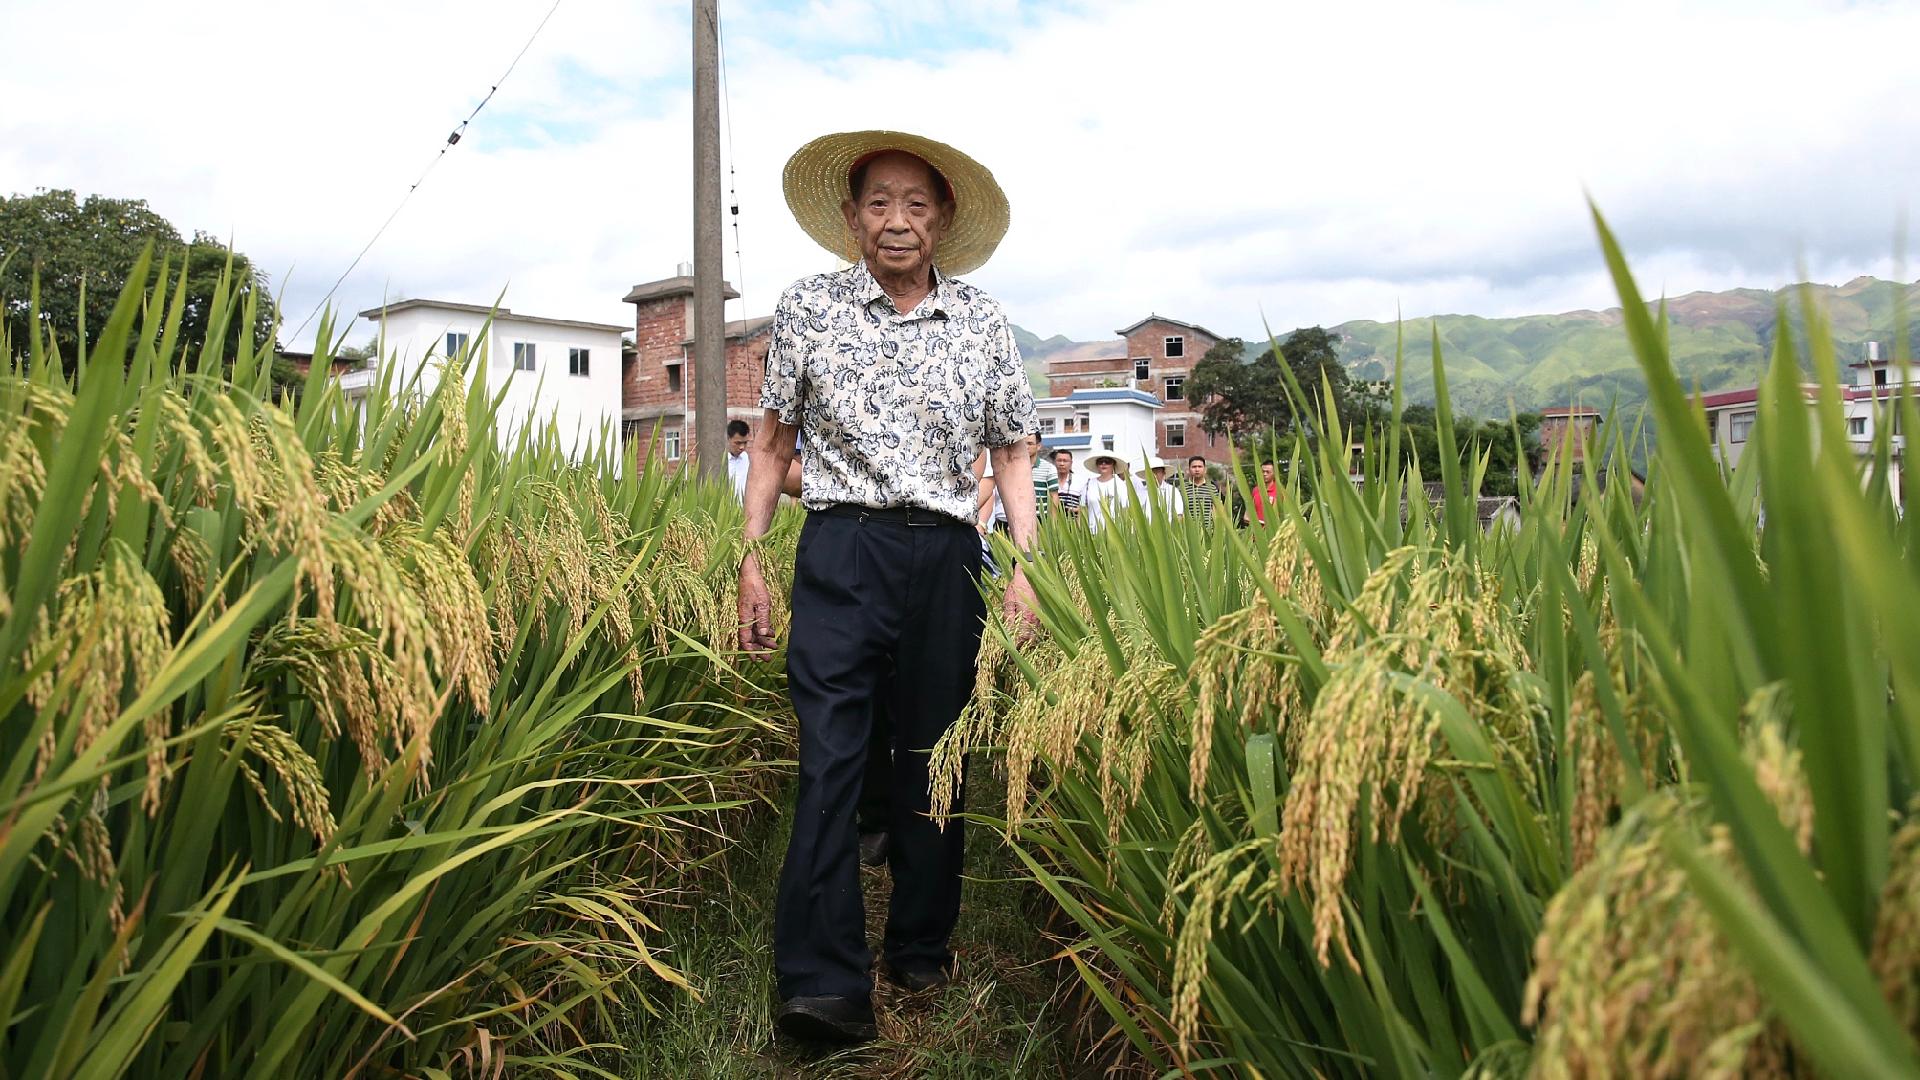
(893, 408)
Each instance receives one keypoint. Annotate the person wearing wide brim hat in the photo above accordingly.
(898, 374)
(817, 184)
(1119, 463)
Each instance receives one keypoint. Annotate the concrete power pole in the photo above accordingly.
(709, 301)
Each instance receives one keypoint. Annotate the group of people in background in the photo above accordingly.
(1095, 496)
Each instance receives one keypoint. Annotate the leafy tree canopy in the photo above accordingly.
(1253, 398)
(82, 252)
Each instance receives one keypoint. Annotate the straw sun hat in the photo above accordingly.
(816, 184)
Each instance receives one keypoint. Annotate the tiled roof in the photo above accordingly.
(673, 286)
(1125, 330)
(743, 328)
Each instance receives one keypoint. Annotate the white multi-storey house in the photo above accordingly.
(566, 371)
(1868, 400)
(1117, 420)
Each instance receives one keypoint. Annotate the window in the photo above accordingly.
(1176, 387)
(1176, 347)
(1106, 442)
(1084, 418)
(670, 444)
(1142, 369)
(1739, 426)
(523, 356)
(456, 344)
(1177, 433)
(577, 361)
(630, 431)
(673, 378)
(1713, 427)
(1857, 425)
(1046, 425)
(1879, 376)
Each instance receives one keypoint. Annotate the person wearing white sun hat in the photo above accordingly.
(898, 374)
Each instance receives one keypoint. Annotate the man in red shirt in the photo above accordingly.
(1266, 493)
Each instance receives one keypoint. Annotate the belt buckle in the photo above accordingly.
(927, 524)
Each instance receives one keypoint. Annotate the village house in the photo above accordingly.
(657, 414)
(1865, 406)
(1095, 420)
(1132, 403)
(563, 372)
(1162, 351)
(1569, 429)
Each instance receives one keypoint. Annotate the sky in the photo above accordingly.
(1239, 165)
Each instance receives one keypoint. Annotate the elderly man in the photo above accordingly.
(897, 374)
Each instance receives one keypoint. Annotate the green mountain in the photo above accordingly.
(1036, 351)
(1718, 340)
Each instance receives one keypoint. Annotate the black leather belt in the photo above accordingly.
(895, 515)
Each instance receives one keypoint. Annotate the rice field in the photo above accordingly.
(1627, 791)
(354, 744)
(343, 746)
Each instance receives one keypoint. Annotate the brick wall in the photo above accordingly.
(659, 329)
(1066, 376)
(650, 398)
(1148, 340)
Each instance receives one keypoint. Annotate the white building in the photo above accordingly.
(1117, 420)
(1868, 403)
(563, 371)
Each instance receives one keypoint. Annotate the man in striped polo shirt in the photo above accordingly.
(1201, 493)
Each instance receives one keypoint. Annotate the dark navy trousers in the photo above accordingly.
(879, 607)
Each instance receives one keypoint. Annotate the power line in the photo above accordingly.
(733, 192)
(453, 139)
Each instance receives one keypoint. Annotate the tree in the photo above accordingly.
(82, 253)
(1251, 398)
(1472, 437)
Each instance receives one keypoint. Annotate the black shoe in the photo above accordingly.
(826, 1019)
(873, 849)
(919, 977)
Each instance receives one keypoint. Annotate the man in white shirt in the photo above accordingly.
(1105, 493)
(1159, 492)
(738, 434)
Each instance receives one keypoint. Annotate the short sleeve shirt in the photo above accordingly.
(894, 407)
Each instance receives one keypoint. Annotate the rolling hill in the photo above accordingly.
(1718, 340)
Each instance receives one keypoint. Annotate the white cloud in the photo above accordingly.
(1207, 159)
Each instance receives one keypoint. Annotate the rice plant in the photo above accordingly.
(341, 742)
(1626, 791)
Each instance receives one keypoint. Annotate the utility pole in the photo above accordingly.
(709, 284)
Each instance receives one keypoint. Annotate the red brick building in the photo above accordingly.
(1160, 354)
(656, 391)
(1557, 422)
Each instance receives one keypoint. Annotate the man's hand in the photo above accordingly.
(756, 609)
(1020, 606)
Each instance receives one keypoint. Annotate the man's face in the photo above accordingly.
(1033, 447)
(736, 444)
(897, 216)
(1266, 473)
(1197, 471)
(1159, 474)
(1063, 462)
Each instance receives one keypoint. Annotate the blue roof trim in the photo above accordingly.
(1066, 442)
(1115, 394)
